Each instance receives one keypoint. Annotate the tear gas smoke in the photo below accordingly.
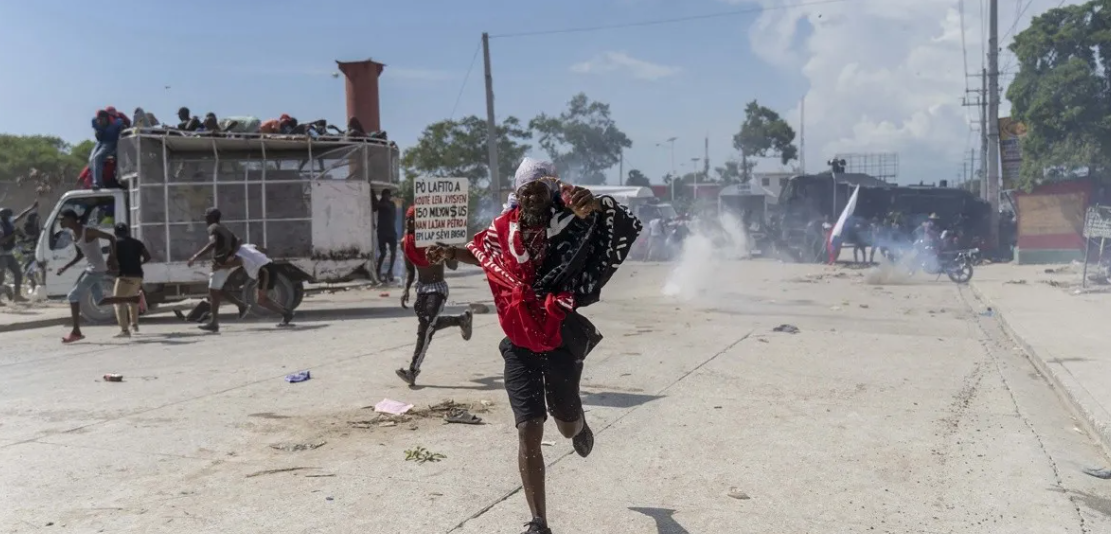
(704, 253)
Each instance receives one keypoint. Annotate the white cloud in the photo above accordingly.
(885, 75)
(623, 62)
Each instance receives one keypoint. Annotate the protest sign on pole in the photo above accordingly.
(441, 210)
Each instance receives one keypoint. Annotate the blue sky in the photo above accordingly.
(877, 75)
(69, 58)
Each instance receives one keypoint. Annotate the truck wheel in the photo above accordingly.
(298, 294)
(94, 312)
(284, 292)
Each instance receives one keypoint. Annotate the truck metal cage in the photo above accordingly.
(261, 183)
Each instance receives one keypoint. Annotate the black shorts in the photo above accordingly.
(535, 379)
(271, 273)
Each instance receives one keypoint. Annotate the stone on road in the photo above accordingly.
(895, 408)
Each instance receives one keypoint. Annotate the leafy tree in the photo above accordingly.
(1061, 92)
(458, 149)
(637, 178)
(733, 173)
(40, 162)
(764, 134)
(583, 141)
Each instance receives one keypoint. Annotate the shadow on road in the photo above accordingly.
(487, 383)
(665, 524)
(608, 399)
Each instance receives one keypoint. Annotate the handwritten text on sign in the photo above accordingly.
(441, 210)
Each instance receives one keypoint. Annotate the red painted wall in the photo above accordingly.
(1051, 217)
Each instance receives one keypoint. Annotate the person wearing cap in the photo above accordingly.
(107, 130)
(131, 255)
(223, 244)
(86, 240)
(548, 255)
(7, 249)
(432, 293)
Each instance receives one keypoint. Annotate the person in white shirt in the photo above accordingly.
(262, 272)
(656, 238)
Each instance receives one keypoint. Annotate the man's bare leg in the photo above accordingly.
(530, 461)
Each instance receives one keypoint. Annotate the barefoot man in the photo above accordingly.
(87, 242)
(432, 294)
(547, 256)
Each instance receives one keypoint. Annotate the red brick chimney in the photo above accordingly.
(362, 92)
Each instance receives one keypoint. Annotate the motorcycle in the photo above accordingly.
(956, 264)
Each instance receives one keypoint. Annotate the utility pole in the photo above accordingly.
(491, 124)
(621, 169)
(984, 135)
(993, 123)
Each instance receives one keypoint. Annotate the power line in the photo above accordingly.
(1017, 18)
(676, 20)
(465, 79)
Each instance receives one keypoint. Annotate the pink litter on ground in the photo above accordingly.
(392, 407)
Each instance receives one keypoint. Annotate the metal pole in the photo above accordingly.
(491, 124)
(1087, 253)
(993, 122)
(621, 169)
(984, 134)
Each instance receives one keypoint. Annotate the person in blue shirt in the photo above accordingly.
(107, 131)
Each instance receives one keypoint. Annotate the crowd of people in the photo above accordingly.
(109, 123)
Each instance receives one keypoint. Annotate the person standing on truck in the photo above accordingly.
(262, 272)
(387, 234)
(223, 244)
(87, 242)
(7, 250)
(131, 254)
(545, 257)
(107, 130)
(432, 292)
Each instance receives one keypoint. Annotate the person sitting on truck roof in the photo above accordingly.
(107, 130)
(142, 119)
(241, 124)
(189, 123)
(85, 179)
(263, 274)
(223, 244)
(212, 124)
(117, 115)
(354, 128)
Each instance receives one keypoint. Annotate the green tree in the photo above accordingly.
(458, 149)
(583, 141)
(764, 134)
(39, 162)
(732, 173)
(1061, 92)
(638, 179)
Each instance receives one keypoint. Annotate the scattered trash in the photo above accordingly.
(319, 476)
(761, 340)
(548, 443)
(988, 313)
(385, 424)
(298, 377)
(113, 378)
(298, 447)
(384, 295)
(392, 407)
(462, 417)
(865, 306)
(329, 499)
(1016, 282)
(717, 407)
(422, 455)
(478, 308)
(786, 328)
(486, 403)
(1098, 473)
(738, 494)
(276, 471)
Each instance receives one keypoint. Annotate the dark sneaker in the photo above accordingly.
(408, 375)
(537, 526)
(210, 327)
(287, 320)
(467, 325)
(243, 311)
(584, 440)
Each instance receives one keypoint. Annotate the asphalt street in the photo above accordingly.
(895, 408)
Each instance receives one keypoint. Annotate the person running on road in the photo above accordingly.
(7, 250)
(131, 254)
(547, 256)
(262, 272)
(432, 293)
(87, 242)
(223, 244)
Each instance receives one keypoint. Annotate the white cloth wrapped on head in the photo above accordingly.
(530, 170)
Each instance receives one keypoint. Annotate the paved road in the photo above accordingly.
(896, 409)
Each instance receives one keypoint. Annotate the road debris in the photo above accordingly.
(277, 471)
(422, 455)
(738, 494)
(298, 447)
(548, 443)
(113, 378)
(462, 417)
(1016, 282)
(298, 377)
(786, 328)
(392, 407)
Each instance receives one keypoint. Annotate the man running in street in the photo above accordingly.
(223, 244)
(131, 254)
(87, 242)
(432, 292)
(549, 254)
(262, 272)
